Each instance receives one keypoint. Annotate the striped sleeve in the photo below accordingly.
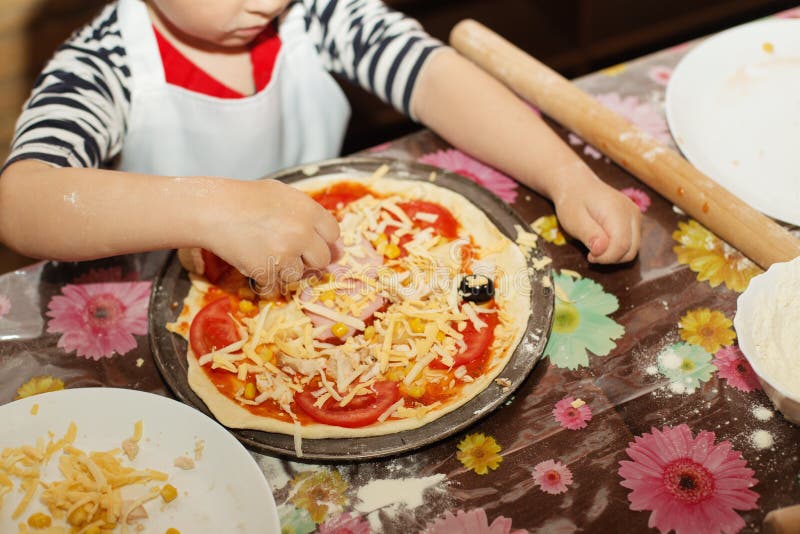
(77, 113)
(370, 44)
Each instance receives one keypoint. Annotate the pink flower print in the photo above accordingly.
(571, 417)
(351, 523)
(471, 522)
(458, 162)
(639, 113)
(638, 196)
(111, 274)
(99, 320)
(689, 484)
(5, 306)
(660, 74)
(552, 476)
(793, 13)
(735, 368)
(381, 147)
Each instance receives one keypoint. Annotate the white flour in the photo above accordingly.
(761, 439)
(762, 414)
(776, 334)
(394, 491)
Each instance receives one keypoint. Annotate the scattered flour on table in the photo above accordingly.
(775, 334)
(401, 491)
(761, 439)
(392, 495)
(762, 414)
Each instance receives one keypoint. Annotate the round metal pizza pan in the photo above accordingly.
(169, 350)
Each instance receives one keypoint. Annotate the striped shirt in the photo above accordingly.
(78, 111)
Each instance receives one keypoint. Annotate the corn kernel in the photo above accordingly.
(39, 520)
(245, 306)
(369, 332)
(172, 531)
(168, 493)
(328, 296)
(415, 389)
(416, 325)
(395, 374)
(94, 529)
(382, 239)
(264, 352)
(339, 330)
(440, 336)
(78, 517)
(246, 293)
(249, 391)
(392, 251)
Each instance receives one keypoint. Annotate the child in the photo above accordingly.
(174, 94)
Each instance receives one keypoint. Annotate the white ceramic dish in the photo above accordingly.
(763, 292)
(225, 492)
(733, 107)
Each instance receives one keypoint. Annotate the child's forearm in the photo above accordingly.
(77, 214)
(266, 229)
(476, 113)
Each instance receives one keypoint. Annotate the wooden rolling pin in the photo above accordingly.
(663, 169)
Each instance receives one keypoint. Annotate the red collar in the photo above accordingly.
(180, 71)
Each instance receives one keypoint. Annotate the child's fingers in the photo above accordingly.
(623, 230)
(290, 269)
(317, 254)
(326, 225)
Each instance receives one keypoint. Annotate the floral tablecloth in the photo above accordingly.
(643, 412)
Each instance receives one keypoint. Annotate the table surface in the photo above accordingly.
(675, 430)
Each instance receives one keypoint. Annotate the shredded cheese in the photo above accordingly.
(89, 494)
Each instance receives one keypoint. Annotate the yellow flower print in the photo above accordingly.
(615, 70)
(711, 258)
(708, 329)
(479, 453)
(547, 227)
(39, 384)
(319, 492)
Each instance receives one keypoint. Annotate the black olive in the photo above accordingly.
(476, 288)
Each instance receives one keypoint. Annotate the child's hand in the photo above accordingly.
(605, 220)
(270, 232)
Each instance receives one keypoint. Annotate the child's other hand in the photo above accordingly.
(270, 232)
(605, 220)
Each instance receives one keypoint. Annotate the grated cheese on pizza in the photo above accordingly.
(386, 315)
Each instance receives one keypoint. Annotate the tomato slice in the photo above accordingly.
(361, 411)
(339, 195)
(445, 224)
(477, 342)
(212, 327)
(214, 267)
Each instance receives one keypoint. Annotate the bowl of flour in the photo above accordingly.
(767, 323)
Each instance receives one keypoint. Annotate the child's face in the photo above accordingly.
(220, 22)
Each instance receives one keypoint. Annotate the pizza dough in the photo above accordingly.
(435, 268)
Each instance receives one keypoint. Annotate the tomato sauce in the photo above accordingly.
(227, 384)
(337, 196)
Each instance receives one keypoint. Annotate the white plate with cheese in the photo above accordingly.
(220, 488)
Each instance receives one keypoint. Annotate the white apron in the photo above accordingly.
(299, 117)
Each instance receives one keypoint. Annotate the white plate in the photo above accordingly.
(734, 110)
(225, 492)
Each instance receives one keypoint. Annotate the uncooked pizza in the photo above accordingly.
(421, 308)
